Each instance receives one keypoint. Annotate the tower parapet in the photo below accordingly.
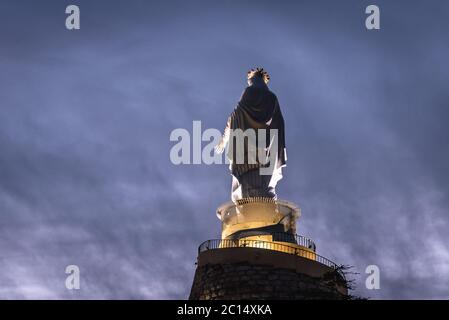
(260, 256)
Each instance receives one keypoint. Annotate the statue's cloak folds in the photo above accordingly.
(258, 108)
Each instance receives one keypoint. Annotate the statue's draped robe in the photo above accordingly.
(258, 108)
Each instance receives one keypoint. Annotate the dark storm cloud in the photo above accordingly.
(85, 119)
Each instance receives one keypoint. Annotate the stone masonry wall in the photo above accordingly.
(244, 281)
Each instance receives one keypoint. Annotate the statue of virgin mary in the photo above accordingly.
(256, 124)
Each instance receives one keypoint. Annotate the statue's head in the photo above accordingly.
(258, 74)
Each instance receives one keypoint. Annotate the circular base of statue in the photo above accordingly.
(257, 216)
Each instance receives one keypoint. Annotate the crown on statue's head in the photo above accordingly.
(259, 72)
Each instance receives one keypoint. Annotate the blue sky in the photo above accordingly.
(85, 119)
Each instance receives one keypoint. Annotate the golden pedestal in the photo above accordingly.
(263, 223)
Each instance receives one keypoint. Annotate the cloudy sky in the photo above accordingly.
(85, 120)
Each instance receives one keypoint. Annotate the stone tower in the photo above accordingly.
(260, 256)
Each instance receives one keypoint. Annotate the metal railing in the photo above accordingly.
(275, 236)
(226, 243)
(294, 238)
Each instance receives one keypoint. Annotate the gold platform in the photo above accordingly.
(261, 214)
